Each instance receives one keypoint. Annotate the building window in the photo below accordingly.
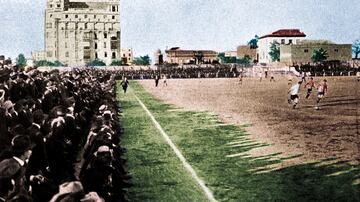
(50, 15)
(290, 41)
(51, 5)
(105, 54)
(124, 55)
(58, 5)
(76, 16)
(282, 41)
(336, 50)
(104, 44)
(67, 54)
(66, 16)
(86, 26)
(113, 55)
(94, 16)
(306, 50)
(85, 16)
(113, 17)
(129, 54)
(95, 35)
(105, 35)
(113, 8)
(66, 45)
(95, 45)
(96, 55)
(66, 34)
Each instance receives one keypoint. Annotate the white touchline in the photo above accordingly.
(188, 167)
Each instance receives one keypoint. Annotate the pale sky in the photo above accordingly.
(218, 25)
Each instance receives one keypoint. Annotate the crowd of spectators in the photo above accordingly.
(328, 68)
(188, 71)
(60, 137)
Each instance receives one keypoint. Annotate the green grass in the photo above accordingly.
(203, 140)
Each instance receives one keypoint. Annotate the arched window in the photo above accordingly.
(113, 55)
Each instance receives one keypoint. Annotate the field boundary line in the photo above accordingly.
(178, 153)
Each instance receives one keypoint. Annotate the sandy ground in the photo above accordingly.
(314, 135)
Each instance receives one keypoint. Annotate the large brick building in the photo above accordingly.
(302, 52)
(79, 31)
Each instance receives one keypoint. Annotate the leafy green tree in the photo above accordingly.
(246, 60)
(319, 55)
(58, 64)
(275, 51)
(221, 57)
(142, 60)
(199, 56)
(116, 63)
(97, 62)
(356, 48)
(253, 42)
(21, 60)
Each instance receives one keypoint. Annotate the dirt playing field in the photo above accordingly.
(313, 135)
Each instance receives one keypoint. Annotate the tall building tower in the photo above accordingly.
(80, 31)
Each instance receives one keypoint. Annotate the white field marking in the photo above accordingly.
(188, 167)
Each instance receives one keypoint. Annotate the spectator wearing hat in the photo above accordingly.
(15, 167)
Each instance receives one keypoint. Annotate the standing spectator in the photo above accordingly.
(156, 81)
(14, 168)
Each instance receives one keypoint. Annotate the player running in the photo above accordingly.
(294, 94)
(322, 89)
(309, 85)
(124, 83)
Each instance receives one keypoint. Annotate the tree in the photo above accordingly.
(198, 56)
(142, 60)
(356, 48)
(253, 42)
(96, 62)
(46, 63)
(246, 60)
(275, 51)
(58, 64)
(116, 63)
(319, 55)
(21, 60)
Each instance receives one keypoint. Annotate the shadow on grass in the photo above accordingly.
(218, 152)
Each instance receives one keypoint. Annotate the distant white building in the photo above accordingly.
(230, 53)
(38, 55)
(127, 56)
(80, 31)
(282, 36)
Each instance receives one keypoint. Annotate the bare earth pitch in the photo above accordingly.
(331, 132)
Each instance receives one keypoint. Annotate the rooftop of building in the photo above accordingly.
(285, 33)
(177, 49)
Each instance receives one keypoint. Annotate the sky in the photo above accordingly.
(220, 25)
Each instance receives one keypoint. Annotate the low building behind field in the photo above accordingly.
(302, 52)
(178, 56)
(245, 50)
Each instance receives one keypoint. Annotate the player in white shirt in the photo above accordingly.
(294, 94)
